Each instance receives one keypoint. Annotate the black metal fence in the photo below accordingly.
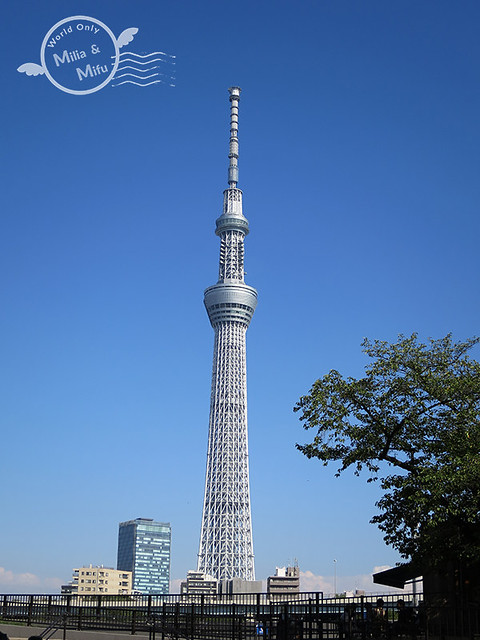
(302, 616)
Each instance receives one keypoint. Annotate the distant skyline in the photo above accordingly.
(359, 164)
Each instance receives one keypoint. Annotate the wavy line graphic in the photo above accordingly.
(143, 71)
(124, 55)
(147, 62)
(146, 55)
(121, 68)
(124, 75)
(139, 84)
(143, 63)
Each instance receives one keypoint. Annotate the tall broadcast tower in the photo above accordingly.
(226, 544)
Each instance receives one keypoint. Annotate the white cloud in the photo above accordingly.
(310, 582)
(27, 582)
(23, 579)
(53, 584)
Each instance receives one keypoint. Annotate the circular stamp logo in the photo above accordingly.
(80, 55)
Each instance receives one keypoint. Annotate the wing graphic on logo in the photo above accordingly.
(126, 36)
(31, 69)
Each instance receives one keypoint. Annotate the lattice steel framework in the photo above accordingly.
(226, 544)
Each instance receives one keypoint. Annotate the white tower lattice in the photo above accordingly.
(226, 543)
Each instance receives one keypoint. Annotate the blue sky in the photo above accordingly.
(359, 162)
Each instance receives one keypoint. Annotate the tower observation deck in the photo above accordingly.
(226, 543)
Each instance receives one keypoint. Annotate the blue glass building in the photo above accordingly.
(144, 549)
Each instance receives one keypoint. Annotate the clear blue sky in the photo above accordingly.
(359, 162)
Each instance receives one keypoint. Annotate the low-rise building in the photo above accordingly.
(99, 580)
(238, 585)
(201, 583)
(198, 583)
(285, 580)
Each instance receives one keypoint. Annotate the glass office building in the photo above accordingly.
(144, 549)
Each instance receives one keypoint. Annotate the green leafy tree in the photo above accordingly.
(413, 423)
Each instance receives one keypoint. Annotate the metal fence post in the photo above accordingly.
(164, 618)
(233, 620)
(30, 610)
(310, 616)
(364, 617)
(134, 620)
(192, 623)
(175, 618)
(151, 631)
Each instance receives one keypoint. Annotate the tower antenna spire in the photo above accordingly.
(233, 147)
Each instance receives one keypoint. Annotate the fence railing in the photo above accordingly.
(298, 616)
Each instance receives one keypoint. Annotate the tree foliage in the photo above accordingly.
(413, 423)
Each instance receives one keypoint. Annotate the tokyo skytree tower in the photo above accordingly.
(226, 544)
